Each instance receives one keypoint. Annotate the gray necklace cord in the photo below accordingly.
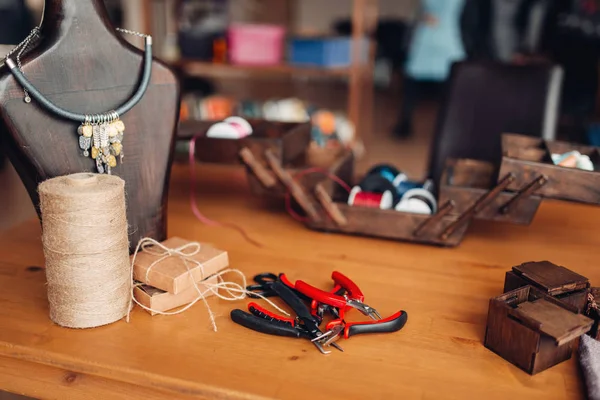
(82, 118)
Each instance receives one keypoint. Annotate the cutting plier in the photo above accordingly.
(304, 325)
(352, 298)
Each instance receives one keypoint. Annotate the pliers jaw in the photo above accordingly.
(364, 308)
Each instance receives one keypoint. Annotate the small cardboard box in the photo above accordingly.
(159, 300)
(172, 274)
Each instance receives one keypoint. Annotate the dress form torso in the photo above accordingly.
(83, 65)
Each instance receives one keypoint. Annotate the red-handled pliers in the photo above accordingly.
(352, 298)
(339, 327)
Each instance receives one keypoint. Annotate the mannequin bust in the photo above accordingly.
(82, 64)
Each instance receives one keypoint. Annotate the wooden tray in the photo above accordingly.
(529, 159)
(325, 204)
(440, 229)
(340, 164)
(287, 140)
(470, 184)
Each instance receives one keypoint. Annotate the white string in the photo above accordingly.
(185, 252)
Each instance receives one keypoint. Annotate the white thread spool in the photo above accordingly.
(86, 249)
(230, 128)
(417, 201)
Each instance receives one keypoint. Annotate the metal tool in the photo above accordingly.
(338, 328)
(304, 325)
(265, 280)
(352, 298)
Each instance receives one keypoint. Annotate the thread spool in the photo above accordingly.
(360, 198)
(379, 184)
(230, 128)
(86, 249)
(417, 201)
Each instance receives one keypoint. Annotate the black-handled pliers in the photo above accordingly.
(304, 325)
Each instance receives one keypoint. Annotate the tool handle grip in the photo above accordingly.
(292, 300)
(353, 290)
(263, 313)
(320, 295)
(285, 280)
(262, 325)
(390, 324)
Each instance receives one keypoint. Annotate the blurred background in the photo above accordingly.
(375, 75)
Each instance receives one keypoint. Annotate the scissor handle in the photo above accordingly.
(265, 278)
(320, 295)
(352, 288)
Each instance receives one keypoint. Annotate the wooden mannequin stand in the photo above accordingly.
(83, 65)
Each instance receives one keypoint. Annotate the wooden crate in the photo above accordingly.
(554, 280)
(470, 185)
(287, 140)
(529, 159)
(338, 163)
(533, 330)
(440, 229)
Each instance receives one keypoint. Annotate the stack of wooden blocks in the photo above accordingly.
(175, 280)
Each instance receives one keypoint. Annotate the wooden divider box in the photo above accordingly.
(338, 163)
(530, 158)
(472, 186)
(556, 281)
(438, 229)
(287, 140)
(533, 330)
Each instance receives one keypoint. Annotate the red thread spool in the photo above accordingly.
(383, 201)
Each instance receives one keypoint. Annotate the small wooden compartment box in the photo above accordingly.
(529, 159)
(287, 140)
(471, 185)
(556, 281)
(533, 330)
(438, 229)
(340, 164)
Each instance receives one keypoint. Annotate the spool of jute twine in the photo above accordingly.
(86, 248)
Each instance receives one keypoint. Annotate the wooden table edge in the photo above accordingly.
(159, 382)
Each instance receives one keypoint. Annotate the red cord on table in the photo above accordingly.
(288, 202)
(195, 210)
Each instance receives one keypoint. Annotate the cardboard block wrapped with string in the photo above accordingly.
(177, 264)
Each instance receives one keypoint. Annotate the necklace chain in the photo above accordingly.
(34, 35)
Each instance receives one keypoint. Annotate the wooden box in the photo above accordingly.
(288, 140)
(438, 229)
(470, 184)
(340, 164)
(529, 159)
(533, 330)
(592, 310)
(556, 281)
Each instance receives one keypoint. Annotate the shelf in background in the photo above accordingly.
(207, 68)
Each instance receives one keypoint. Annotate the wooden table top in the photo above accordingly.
(438, 354)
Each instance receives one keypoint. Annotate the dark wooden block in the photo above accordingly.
(288, 140)
(559, 282)
(467, 181)
(533, 330)
(529, 158)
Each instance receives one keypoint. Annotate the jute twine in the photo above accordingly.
(86, 248)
